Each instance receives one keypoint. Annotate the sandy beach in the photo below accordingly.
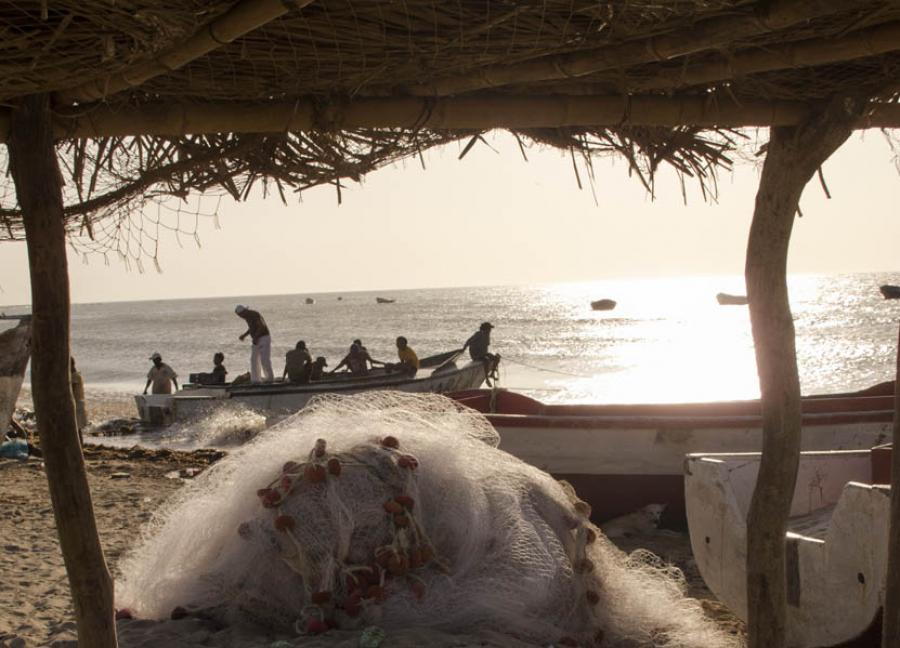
(128, 487)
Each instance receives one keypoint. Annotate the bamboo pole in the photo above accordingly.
(469, 113)
(890, 629)
(794, 154)
(242, 18)
(871, 42)
(708, 34)
(37, 178)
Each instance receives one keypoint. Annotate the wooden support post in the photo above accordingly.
(890, 629)
(35, 172)
(794, 154)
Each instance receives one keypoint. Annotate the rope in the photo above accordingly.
(556, 371)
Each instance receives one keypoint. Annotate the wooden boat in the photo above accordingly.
(725, 299)
(437, 374)
(603, 305)
(836, 543)
(384, 300)
(890, 292)
(15, 350)
(623, 457)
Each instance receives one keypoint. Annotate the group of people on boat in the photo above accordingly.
(299, 365)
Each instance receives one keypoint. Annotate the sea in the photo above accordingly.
(666, 340)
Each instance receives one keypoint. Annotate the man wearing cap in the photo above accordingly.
(478, 350)
(261, 349)
(161, 376)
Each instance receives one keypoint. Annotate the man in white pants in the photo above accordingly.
(261, 350)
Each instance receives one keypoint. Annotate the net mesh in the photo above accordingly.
(399, 510)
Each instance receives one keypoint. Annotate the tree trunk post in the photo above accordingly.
(794, 154)
(890, 629)
(35, 172)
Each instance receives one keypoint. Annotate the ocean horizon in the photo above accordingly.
(667, 339)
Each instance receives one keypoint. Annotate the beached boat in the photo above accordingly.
(836, 542)
(15, 350)
(603, 304)
(623, 457)
(890, 292)
(384, 300)
(725, 299)
(437, 374)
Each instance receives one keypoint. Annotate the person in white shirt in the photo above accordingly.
(161, 376)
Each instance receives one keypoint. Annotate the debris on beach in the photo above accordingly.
(398, 511)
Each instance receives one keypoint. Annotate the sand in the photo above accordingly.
(128, 486)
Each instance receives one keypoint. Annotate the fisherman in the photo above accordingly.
(217, 375)
(370, 362)
(355, 361)
(317, 369)
(261, 349)
(78, 394)
(298, 364)
(478, 345)
(161, 375)
(409, 361)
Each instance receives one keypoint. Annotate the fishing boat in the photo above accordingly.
(310, 300)
(725, 299)
(890, 292)
(836, 545)
(437, 374)
(384, 300)
(603, 304)
(15, 350)
(621, 458)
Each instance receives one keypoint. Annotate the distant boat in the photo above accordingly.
(384, 300)
(725, 299)
(310, 300)
(603, 304)
(340, 298)
(890, 292)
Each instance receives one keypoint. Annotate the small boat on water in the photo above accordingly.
(623, 457)
(890, 292)
(310, 300)
(15, 350)
(837, 540)
(603, 305)
(384, 300)
(725, 299)
(437, 374)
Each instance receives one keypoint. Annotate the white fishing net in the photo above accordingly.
(399, 510)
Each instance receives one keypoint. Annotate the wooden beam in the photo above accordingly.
(475, 113)
(793, 156)
(890, 629)
(38, 182)
(704, 35)
(870, 42)
(243, 17)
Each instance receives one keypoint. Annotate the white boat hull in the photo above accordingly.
(281, 399)
(622, 457)
(836, 547)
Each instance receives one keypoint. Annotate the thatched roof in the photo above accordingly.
(155, 96)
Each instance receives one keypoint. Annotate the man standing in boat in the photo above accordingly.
(478, 350)
(261, 349)
(161, 376)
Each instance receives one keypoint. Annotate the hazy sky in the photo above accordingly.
(494, 219)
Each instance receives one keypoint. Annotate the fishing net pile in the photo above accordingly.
(398, 510)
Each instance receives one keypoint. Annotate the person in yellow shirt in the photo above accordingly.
(409, 361)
